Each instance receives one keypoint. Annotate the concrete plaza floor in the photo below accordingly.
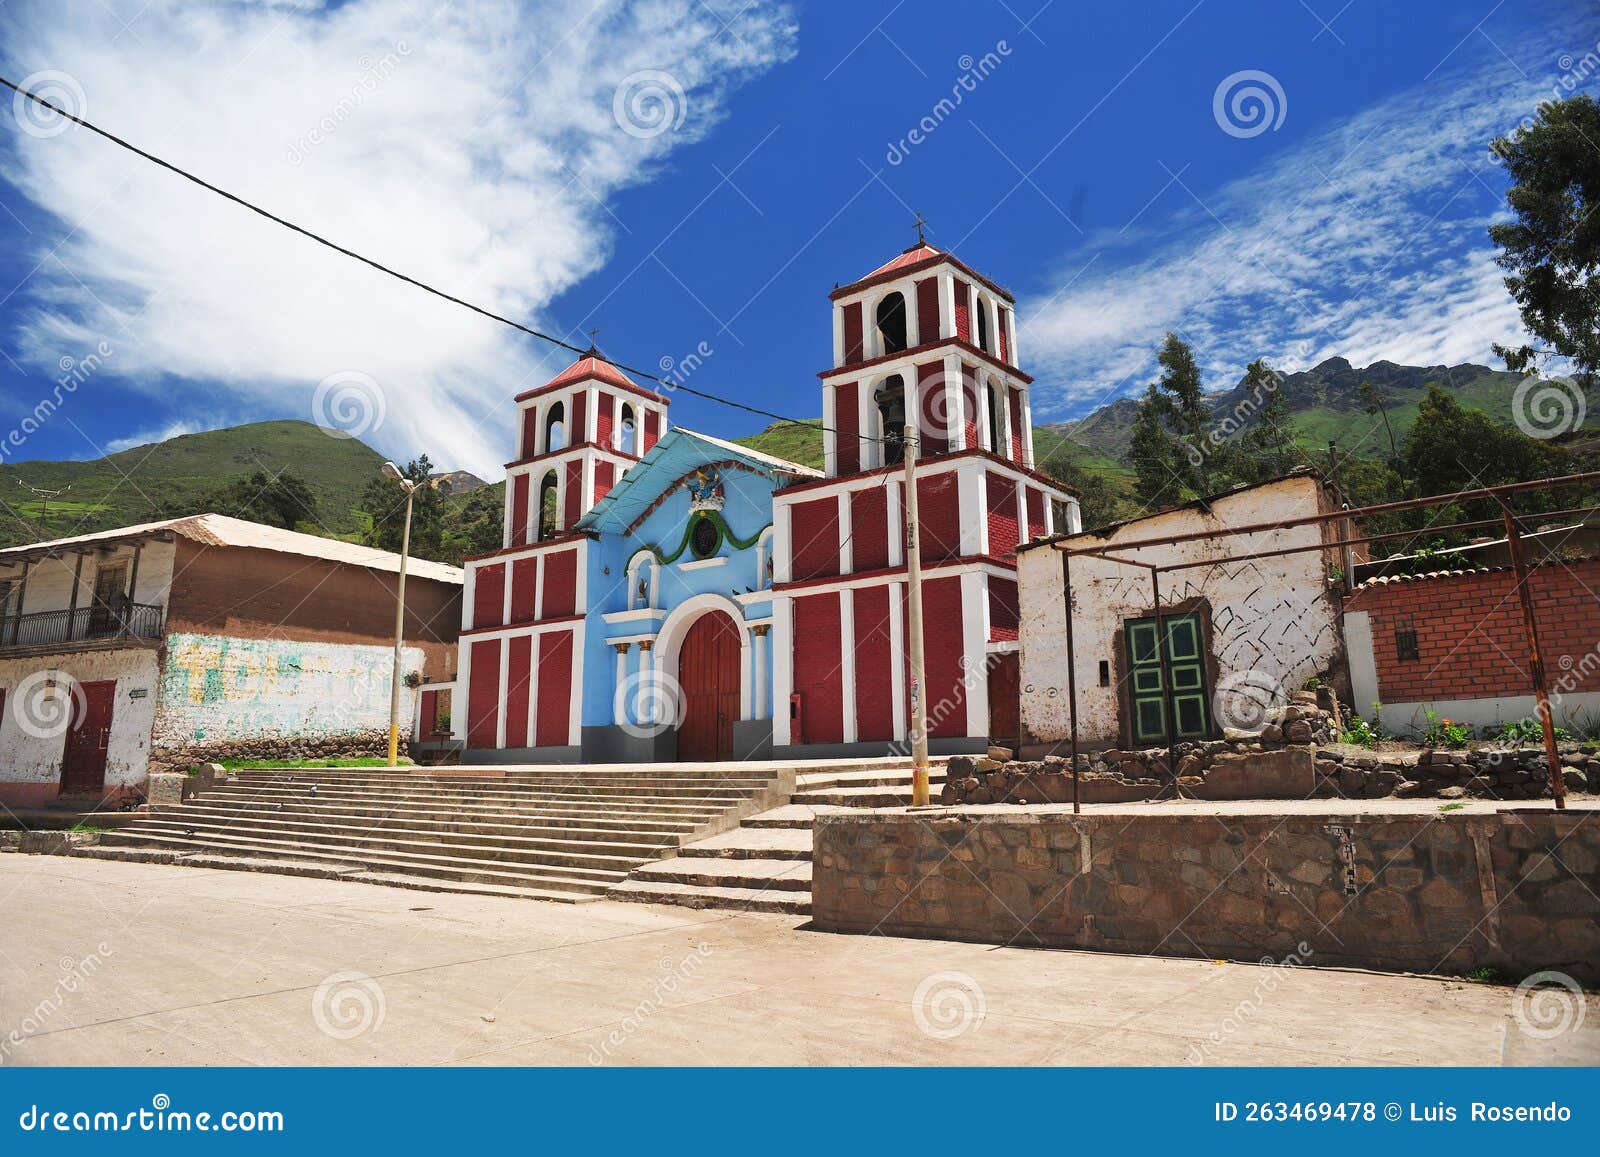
(113, 963)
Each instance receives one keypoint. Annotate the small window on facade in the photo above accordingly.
(1405, 644)
(555, 429)
(704, 538)
(983, 325)
(549, 507)
(1105, 673)
(627, 432)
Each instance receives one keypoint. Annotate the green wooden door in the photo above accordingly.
(1187, 666)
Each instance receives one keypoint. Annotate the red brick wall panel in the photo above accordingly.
(1005, 334)
(1004, 616)
(963, 311)
(869, 528)
(652, 431)
(488, 598)
(604, 418)
(1036, 502)
(1001, 494)
(574, 484)
(483, 696)
(943, 646)
(519, 510)
(939, 511)
(1470, 636)
(605, 475)
(556, 676)
(818, 669)
(814, 538)
(560, 584)
(1016, 426)
(519, 664)
(853, 349)
(933, 417)
(524, 584)
(969, 405)
(846, 422)
(874, 685)
(530, 433)
(927, 310)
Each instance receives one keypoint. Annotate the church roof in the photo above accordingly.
(592, 366)
(679, 452)
(920, 256)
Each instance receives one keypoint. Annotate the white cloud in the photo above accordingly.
(156, 434)
(472, 145)
(1367, 241)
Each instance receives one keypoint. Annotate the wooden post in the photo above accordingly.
(1072, 676)
(1519, 564)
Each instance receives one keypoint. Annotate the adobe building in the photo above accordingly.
(151, 648)
(665, 595)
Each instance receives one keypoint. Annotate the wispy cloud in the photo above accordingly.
(474, 145)
(1368, 242)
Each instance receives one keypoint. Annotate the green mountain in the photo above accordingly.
(1325, 405)
(178, 476)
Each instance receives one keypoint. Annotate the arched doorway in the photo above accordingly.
(708, 673)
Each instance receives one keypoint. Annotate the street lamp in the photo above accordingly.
(392, 472)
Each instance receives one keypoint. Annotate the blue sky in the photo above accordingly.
(495, 150)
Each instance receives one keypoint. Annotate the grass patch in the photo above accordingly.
(1487, 974)
(88, 829)
(269, 764)
(1450, 807)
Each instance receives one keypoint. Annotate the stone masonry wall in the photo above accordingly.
(1427, 893)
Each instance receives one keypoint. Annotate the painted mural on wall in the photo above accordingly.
(216, 688)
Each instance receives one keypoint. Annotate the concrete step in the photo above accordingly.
(438, 867)
(680, 796)
(494, 827)
(788, 816)
(644, 819)
(708, 872)
(883, 777)
(858, 797)
(308, 868)
(267, 798)
(507, 850)
(744, 843)
(688, 896)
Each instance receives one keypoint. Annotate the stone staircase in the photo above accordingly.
(764, 864)
(566, 834)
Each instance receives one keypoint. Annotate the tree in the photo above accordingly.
(1552, 248)
(280, 500)
(385, 503)
(1179, 449)
(1269, 446)
(1452, 448)
(1373, 400)
(474, 525)
(1158, 461)
(1099, 501)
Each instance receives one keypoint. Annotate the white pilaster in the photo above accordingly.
(896, 532)
(830, 439)
(955, 426)
(761, 708)
(500, 706)
(974, 642)
(619, 706)
(1022, 512)
(847, 659)
(782, 527)
(469, 590)
(947, 305)
(972, 498)
(846, 553)
(1027, 430)
(782, 669)
(838, 334)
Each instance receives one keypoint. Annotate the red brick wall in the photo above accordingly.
(488, 596)
(560, 583)
(1005, 334)
(604, 419)
(1470, 635)
(1003, 610)
(818, 670)
(927, 310)
(1002, 501)
(869, 528)
(519, 659)
(814, 538)
(852, 333)
(947, 697)
(519, 510)
(652, 431)
(934, 419)
(530, 431)
(524, 584)
(553, 714)
(846, 419)
(874, 683)
(963, 311)
(939, 511)
(483, 696)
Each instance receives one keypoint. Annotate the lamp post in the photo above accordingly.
(392, 471)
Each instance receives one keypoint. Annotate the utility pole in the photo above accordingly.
(919, 706)
(45, 496)
(410, 487)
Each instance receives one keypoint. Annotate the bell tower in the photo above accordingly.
(577, 435)
(928, 340)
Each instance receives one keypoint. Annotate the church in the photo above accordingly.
(663, 595)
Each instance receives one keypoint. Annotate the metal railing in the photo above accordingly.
(93, 624)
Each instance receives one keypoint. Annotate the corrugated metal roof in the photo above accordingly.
(221, 530)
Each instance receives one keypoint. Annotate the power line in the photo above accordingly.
(395, 273)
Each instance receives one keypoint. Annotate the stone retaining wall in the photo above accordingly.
(1518, 890)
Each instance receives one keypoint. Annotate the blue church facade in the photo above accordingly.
(665, 595)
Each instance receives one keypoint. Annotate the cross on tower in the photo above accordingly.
(594, 338)
(921, 221)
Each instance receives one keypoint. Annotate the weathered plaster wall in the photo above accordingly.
(218, 690)
(1274, 622)
(30, 763)
(1424, 891)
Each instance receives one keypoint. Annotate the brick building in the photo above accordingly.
(157, 646)
(1455, 643)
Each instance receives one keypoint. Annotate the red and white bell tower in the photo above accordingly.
(928, 341)
(578, 433)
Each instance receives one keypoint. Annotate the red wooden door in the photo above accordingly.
(1005, 702)
(708, 672)
(83, 760)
